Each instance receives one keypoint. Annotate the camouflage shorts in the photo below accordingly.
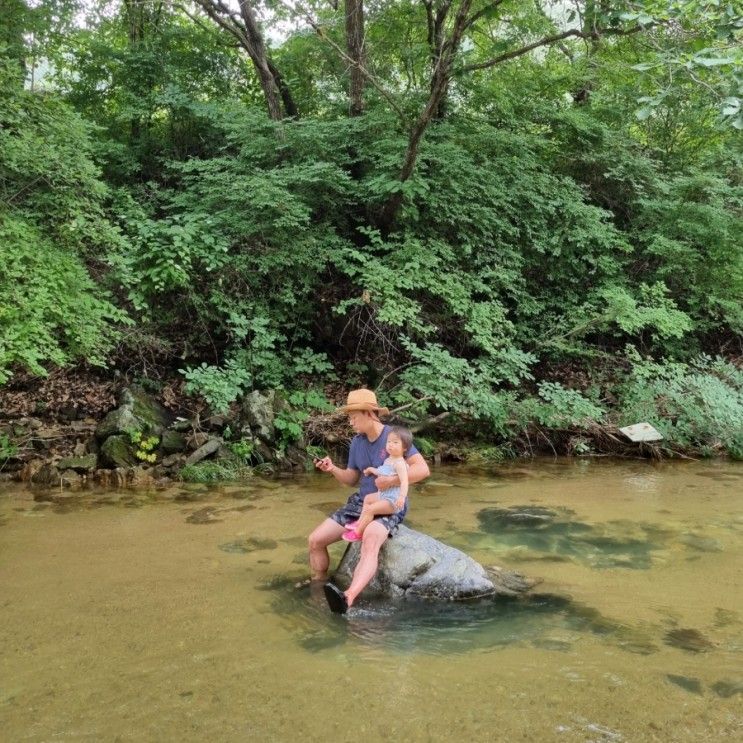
(352, 510)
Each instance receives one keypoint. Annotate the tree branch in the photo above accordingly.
(480, 13)
(345, 57)
(547, 40)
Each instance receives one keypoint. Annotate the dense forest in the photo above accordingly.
(518, 219)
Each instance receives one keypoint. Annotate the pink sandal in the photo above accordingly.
(351, 536)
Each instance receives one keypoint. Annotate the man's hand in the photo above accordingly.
(385, 482)
(325, 464)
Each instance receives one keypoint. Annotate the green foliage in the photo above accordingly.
(555, 407)
(690, 231)
(315, 452)
(242, 449)
(219, 386)
(51, 217)
(215, 471)
(144, 446)
(563, 407)
(488, 455)
(696, 406)
(51, 312)
(427, 447)
(548, 221)
(290, 418)
(7, 449)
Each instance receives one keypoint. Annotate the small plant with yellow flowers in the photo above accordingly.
(144, 446)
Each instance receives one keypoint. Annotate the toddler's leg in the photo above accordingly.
(373, 506)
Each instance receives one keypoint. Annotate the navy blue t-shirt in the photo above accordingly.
(364, 453)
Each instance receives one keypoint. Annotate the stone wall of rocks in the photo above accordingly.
(105, 452)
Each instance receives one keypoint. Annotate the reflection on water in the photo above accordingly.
(183, 614)
(443, 628)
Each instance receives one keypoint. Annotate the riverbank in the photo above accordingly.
(79, 428)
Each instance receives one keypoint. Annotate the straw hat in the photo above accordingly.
(363, 400)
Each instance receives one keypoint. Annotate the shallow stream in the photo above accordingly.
(174, 615)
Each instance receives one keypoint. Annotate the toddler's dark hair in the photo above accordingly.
(405, 436)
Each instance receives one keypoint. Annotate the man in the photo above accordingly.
(367, 450)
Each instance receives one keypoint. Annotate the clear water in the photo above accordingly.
(174, 615)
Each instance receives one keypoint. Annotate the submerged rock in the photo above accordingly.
(251, 544)
(700, 543)
(728, 687)
(47, 475)
(204, 516)
(519, 516)
(416, 565)
(687, 683)
(688, 639)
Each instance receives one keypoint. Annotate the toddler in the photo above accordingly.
(391, 500)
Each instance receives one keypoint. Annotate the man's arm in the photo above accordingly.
(346, 477)
(417, 471)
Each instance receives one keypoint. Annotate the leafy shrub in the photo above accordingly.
(242, 449)
(559, 407)
(696, 406)
(7, 449)
(51, 311)
(219, 386)
(51, 218)
(290, 419)
(215, 471)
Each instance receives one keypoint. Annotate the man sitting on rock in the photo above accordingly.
(367, 450)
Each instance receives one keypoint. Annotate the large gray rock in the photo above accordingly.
(137, 411)
(259, 412)
(117, 451)
(416, 565)
(173, 442)
(116, 422)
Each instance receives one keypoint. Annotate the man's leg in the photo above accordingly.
(328, 532)
(375, 536)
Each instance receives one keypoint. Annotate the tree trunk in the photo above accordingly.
(355, 49)
(591, 24)
(436, 41)
(142, 18)
(12, 27)
(440, 80)
(256, 49)
(290, 108)
(247, 31)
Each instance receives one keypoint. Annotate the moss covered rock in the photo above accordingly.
(117, 451)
